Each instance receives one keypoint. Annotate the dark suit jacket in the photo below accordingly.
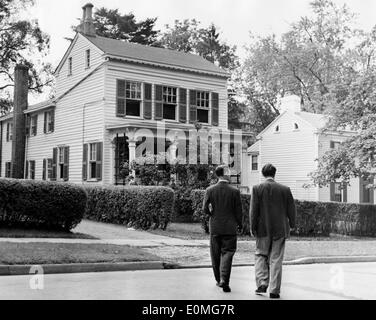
(272, 210)
(226, 214)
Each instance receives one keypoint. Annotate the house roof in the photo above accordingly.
(156, 56)
(40, 106)
(318, 121)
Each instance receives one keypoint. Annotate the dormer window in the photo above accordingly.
(296, 126)
(70, 66)
(87, 58)
(276, 129)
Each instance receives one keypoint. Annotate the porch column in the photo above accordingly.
(173, 149)
(132, 151)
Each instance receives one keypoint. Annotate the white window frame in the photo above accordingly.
(33, 125)
(168, 98)
(257, 162)
(137, 93)
(60, 163)
(203, 103)
(92, 154)
(49, 121)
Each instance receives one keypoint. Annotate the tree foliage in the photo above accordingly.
(189, 36)
(355, 157)
(21, 41)
(112, 24)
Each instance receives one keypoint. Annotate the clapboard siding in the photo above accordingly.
(78, 120)
(6, 148)
(292, 152)
(78, 53)
(145, 74)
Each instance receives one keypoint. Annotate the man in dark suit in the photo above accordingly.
(222, 203)
(272, 215)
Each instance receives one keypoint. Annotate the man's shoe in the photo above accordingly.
(221, 284)
(261, 289)
(226, 288)
(274, 296)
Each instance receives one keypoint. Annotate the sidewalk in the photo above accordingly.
(195, 253)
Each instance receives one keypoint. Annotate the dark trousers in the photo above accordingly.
(222, 250)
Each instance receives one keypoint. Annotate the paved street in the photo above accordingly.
(319, 281)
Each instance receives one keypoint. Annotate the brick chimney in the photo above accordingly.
(21, 78)
(87, 24)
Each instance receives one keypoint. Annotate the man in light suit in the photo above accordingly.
(223, 204)
(272, 215)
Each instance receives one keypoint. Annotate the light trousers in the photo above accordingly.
(268, 263)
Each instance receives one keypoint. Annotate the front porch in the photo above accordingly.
(186, 145)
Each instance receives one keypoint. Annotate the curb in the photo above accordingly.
(301, 261)
(13, 270)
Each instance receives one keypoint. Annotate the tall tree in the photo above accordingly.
(189, 36)
(112, 24)
(23, 42)
(310, 60)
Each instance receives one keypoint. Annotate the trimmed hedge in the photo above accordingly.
(41, 204)
(313, 218)
(136, 206)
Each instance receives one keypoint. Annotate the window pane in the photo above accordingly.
(133, 108)
(203, 116)
(93, 170)
(169, 111)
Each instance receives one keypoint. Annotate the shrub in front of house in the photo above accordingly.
(313, 218)
(135, 206)
(41, 204)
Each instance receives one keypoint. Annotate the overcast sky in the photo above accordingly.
(235, 18)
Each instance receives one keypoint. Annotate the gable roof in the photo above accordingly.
(162, 57)
(316, 120)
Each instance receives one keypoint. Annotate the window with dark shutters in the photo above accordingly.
(215, 109)
(54, 164)
(147, 101)
(183, 105)
(192, 106)
(158, 103)
(84, 162)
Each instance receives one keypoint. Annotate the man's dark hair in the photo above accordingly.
(220, 171)
(269, 170)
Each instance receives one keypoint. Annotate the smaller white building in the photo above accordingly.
(292, 143)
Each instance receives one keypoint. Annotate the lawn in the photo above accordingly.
(34, 233)
(59, 253)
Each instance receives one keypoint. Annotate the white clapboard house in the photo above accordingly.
(106, 90)
(293, 142)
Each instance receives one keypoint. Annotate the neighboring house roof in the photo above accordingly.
(318, 121)
(40, 106)
(6, 116)
(254, 148)
(156, 56)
